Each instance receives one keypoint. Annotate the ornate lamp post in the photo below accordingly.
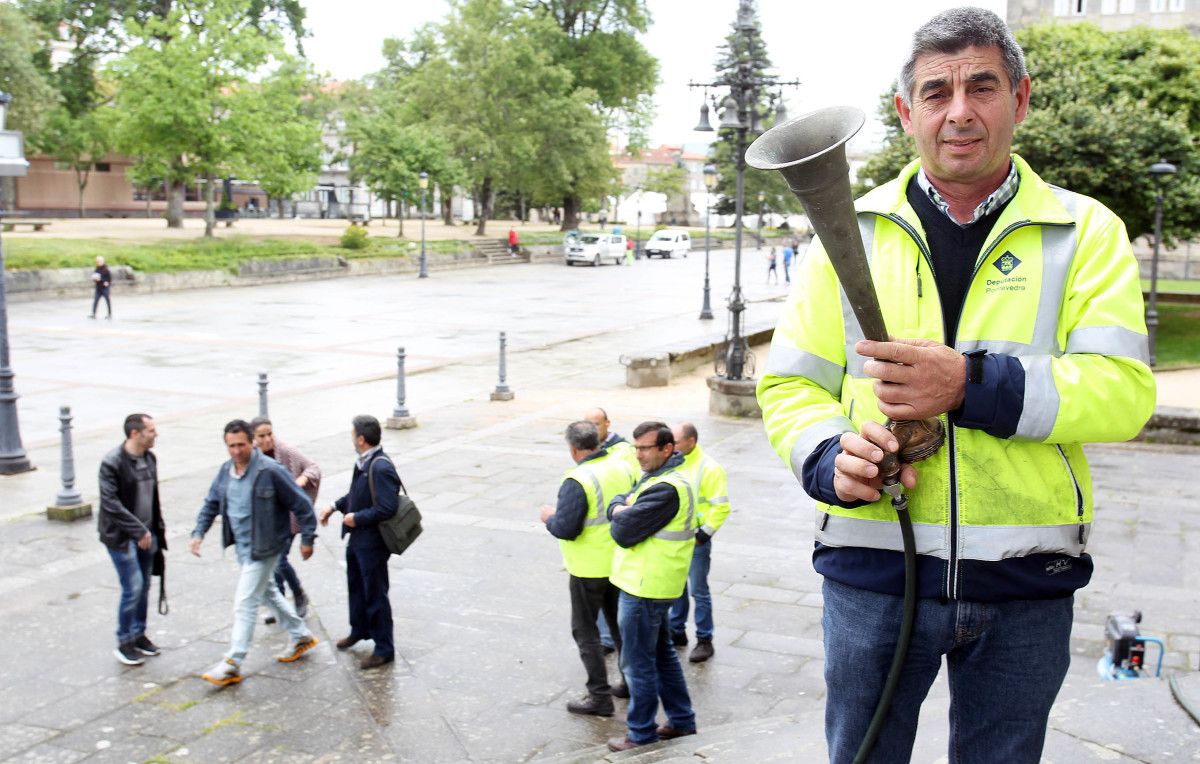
(761, 199)
(1159, 170)
(739, 112)
(12, 455)
(423, 182)
(710, 181)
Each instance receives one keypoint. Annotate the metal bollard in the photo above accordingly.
(68, 504)
(262, 394)
(502, 391)
(400, 419)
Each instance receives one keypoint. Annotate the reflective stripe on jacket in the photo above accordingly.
(712, 493)
(657, 568)
(590, 554)
(1056, 286)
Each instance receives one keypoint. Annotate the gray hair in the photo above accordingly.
(957, 29)
(583, 436)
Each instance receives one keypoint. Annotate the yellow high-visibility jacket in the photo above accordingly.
(1056, 286)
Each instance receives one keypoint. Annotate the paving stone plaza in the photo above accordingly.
(485, 660)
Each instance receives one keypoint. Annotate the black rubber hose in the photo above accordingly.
(900, 503)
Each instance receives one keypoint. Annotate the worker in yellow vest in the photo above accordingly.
(580, 523)
(712, 507)
(654, 526)
(616, 446)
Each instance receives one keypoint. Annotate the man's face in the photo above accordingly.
(962, 116)
(360, 443)
(145, 437)
(683, 444)
(239, 447)
(99, 260)
(650, 456)
(264, 438)
(601, 422)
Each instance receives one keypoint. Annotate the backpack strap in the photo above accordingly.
(371, 476)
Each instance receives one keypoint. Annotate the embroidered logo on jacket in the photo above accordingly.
(1006, 263)
(1061, 565)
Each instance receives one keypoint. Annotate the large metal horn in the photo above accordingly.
(810, 151)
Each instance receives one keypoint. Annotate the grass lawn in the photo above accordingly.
(1178, 286)
(1178, 336)
(199, 254)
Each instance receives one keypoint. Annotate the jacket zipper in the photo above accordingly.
(1078, 492)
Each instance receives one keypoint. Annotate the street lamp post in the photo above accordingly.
(423, 182)
(761, 199)
(12, 455)
(637, 239)
(710, 180)
(1159, 170)
(740, 113)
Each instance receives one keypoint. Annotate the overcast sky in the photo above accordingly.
(843, 52)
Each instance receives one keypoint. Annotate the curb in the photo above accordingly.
(1172, 425)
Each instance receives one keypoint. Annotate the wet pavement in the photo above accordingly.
(485, 661)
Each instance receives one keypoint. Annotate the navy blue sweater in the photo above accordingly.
(369, 514)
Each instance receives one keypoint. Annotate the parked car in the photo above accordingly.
(595, 248)
(668, 242)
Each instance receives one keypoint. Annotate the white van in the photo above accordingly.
(595, 248)
(668, 242)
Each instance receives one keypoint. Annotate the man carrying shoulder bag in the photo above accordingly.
(366, 552)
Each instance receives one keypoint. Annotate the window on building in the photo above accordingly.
(1078, 7)
(1108, 7)
(102, 167)
(1127, 6)
(1158, 6)
(1176, 6)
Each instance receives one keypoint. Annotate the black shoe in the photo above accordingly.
(591, 705)
(145, 646)
(609, 649)
(679, 638)
(375, 661)
(126, 653)
(702, 651)
(620, 690)
(300, 600)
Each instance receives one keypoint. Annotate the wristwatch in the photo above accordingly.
(975, 366)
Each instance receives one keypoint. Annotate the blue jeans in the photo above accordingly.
(698, 586)
(606, 639)
(651, 669)
(1006, 663)
(133, 570)
(255, 588)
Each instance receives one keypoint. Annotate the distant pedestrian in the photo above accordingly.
(788, 254)
(630, 254)
(308, 477)
(603, 219)
(557, 216)
(254, 496)
(102, 279)
(131, 525)
(579, 521)
(373, 498)
(771, 271)
(514, 245)
(654, 526)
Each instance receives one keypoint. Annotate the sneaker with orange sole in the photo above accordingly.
(297, 648)
(223, 674)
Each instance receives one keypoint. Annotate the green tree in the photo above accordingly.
(77, 142)
(20, 76)
(186, 94)
(1104, 106)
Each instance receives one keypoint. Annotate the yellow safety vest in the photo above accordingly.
(1056, 285)
(711, 484)
(590, 554)
(657, 568)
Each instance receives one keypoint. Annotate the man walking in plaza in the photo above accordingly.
(372, 499)
(1028, 340)
(712, 507)
(255, 497)
(131, 526)
(654, 526)
(102, 280)
(580, 522)
(308, 476)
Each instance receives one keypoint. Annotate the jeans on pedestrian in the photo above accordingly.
(1006, 662)
(133, 571)
(651, 668)
(592, 598)
(285, 573)
(101, 291)
(606, 635)
(253, 589)
(697, 586)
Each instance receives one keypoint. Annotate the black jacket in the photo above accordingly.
(368, 513)
(116, 522)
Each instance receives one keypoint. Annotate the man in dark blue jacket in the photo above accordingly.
(374, 488)
(254, 495)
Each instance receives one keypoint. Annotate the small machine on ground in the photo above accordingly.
(1125, 656)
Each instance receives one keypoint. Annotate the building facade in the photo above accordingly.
(1109, 15)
